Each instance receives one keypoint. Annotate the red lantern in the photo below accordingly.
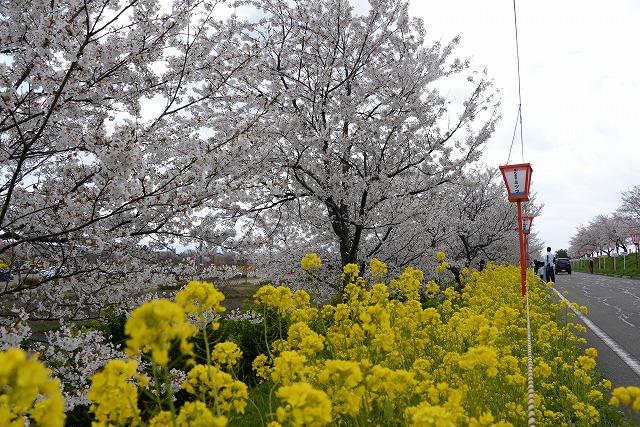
(517, 178)
(527, 220)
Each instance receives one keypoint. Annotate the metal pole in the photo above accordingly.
(523, 261)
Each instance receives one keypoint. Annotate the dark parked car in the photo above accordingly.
(563, 264)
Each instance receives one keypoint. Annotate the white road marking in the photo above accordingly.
(632, 362)
(623, 318)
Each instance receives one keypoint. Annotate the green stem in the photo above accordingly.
(206, 340)
(157, 383)
(169, 393)
(264, 323)
(258, 411)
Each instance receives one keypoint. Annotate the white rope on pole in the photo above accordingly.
(531, 404)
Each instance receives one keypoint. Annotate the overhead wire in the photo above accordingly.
(531, 414)
(515, 25)
(513, 137)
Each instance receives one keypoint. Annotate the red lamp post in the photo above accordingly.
(517, 178)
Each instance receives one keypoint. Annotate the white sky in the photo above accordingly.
(579, 65)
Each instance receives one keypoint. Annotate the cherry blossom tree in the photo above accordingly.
(360, 138)
(631, 204)
(118, 127)
(608, 233)
(482, 219)
(603, 234)
(481, 224)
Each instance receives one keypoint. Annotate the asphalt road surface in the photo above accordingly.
(613, 321)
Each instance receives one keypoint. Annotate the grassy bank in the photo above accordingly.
(621, 265)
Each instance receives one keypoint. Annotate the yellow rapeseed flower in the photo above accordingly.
(261, 367)
(350, 272)
(378, 268)
(629, 396)
(481, 356)
(425, 415)
(342, 380)
(153, 326)
(443, 266)
(196, 414)
(199, 298)
(226, 353)
(302, 338)
(304, 405)
(311, 261)
(289, 367)
(27, 390)
(161, 419)
(213, 385)
(114, 395)
(279, 299)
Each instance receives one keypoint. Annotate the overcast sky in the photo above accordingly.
(579, 63)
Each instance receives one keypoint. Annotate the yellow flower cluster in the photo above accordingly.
(261, 366)
(27, 392)
(294, 305)
(380, 356)
(153, 326)
(343, 381)
(289, 367)
(462, 362)
(432, 288)
(350, 272)
(378, 268)
(443, 264)
(197, 414)
(213, 386)
(199, 298)
(409, 283)
(311, 261)
(304, 405)
(425, 415)
(226, 353)
(302, 338)
(629, 396)
(114, 395)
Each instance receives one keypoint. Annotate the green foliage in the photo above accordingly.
(562, 253)
(260, 404)
(79, 416)
(252, 339)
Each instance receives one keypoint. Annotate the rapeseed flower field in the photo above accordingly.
(389, 352)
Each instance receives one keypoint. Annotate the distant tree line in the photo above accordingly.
(606, 234)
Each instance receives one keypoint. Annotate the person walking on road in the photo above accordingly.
(591, 265)
(549, 266)
(539, 267)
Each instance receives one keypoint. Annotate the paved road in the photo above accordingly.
(614, 309)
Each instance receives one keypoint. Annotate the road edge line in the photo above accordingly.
(631, 362)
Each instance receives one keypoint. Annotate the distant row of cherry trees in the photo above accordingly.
(606, 234)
